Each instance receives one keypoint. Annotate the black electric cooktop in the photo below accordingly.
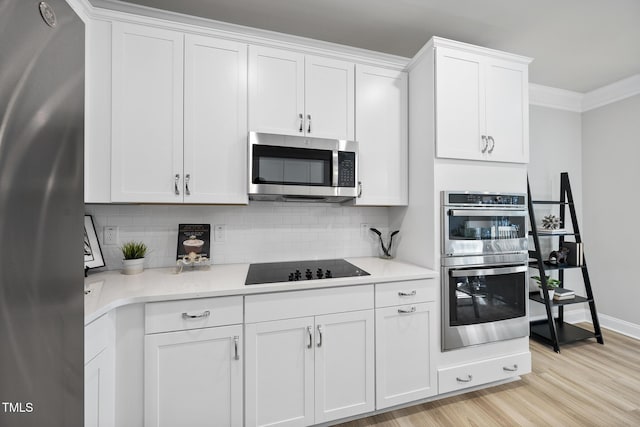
(272, 272)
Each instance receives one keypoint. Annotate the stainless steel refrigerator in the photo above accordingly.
(41, 213)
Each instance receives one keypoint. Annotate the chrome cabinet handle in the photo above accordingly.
(485, 145)
(468, 380)
(319, 335)
(359, 189)
(309, 123)
(187, 192)
(175, 184)
(301, 122)
(196, 316)
(405, 311)
(310, 337)
(407, 294)
(235, 346)
(493, 144)
(508, 369)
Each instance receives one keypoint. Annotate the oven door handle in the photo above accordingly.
(488, 271)
(486, 212)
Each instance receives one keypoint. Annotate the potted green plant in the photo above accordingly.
(133, 257)
(552, 284)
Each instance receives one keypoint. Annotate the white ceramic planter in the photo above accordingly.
(551, 292)
(132, 266)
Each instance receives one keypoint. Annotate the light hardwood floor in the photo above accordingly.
(587, 384)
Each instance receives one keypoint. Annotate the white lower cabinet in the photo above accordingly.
(99, 373)
(309, 370)
(406, 336)
(405, 370)
(279, 372)
(193, 377)
(344, 376)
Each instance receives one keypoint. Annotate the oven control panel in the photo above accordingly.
(484, 199)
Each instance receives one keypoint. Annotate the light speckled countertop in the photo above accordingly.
(111, 289)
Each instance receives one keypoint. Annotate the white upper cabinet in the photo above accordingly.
(294, 94)
(329, 98)
(381, 130)
(177, 138)
(147, 114)
(481, 107)
(215, 121)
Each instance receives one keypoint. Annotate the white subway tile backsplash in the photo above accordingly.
(259, 232)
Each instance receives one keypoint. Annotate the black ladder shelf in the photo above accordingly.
(555, 331)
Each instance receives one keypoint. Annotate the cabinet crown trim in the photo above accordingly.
(436, 42)
(121, 11)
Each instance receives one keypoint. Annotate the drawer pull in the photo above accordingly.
(407, 294)
(512, 369)
(406, 311)
(196, 316)
(310, 337)
(235, 347)
(467, 380)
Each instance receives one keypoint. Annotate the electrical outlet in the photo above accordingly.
(110, 235)
(364, 230)
(220, 232)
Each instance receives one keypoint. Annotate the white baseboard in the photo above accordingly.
(621, 326)
(577, 316)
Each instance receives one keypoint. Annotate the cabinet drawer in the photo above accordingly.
(287, 305)
(482, 372)
(192, 314)
(97, 336)
(407, 292)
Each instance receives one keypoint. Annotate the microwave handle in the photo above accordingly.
(335, 169)
(485, 212)
(489, 271)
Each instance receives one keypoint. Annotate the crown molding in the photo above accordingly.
(551, 97)
(119, 10)
(609, 94)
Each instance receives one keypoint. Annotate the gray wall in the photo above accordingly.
(555, 141)
(611, 157)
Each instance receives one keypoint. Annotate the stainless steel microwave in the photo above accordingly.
(296, 168)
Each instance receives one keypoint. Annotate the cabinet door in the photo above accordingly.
(215, 121)
(99, 390)
(146, 157)
(405, 338)
(279, 373)
(460, 109)
(507, 103)
(381, 129)
(194, 377)
(344, 376)
(276, 91)
(329, 98)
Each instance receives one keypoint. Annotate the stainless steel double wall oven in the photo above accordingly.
(484, 268)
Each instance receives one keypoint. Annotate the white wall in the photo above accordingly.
(555, 144)
(260, 232)
(611, 158)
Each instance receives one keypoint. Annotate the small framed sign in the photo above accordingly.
(92, 253)
(193, 241)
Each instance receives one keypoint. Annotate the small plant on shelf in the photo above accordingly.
(134, 250)
(552, 284)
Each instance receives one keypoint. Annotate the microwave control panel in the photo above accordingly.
(346, 169)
